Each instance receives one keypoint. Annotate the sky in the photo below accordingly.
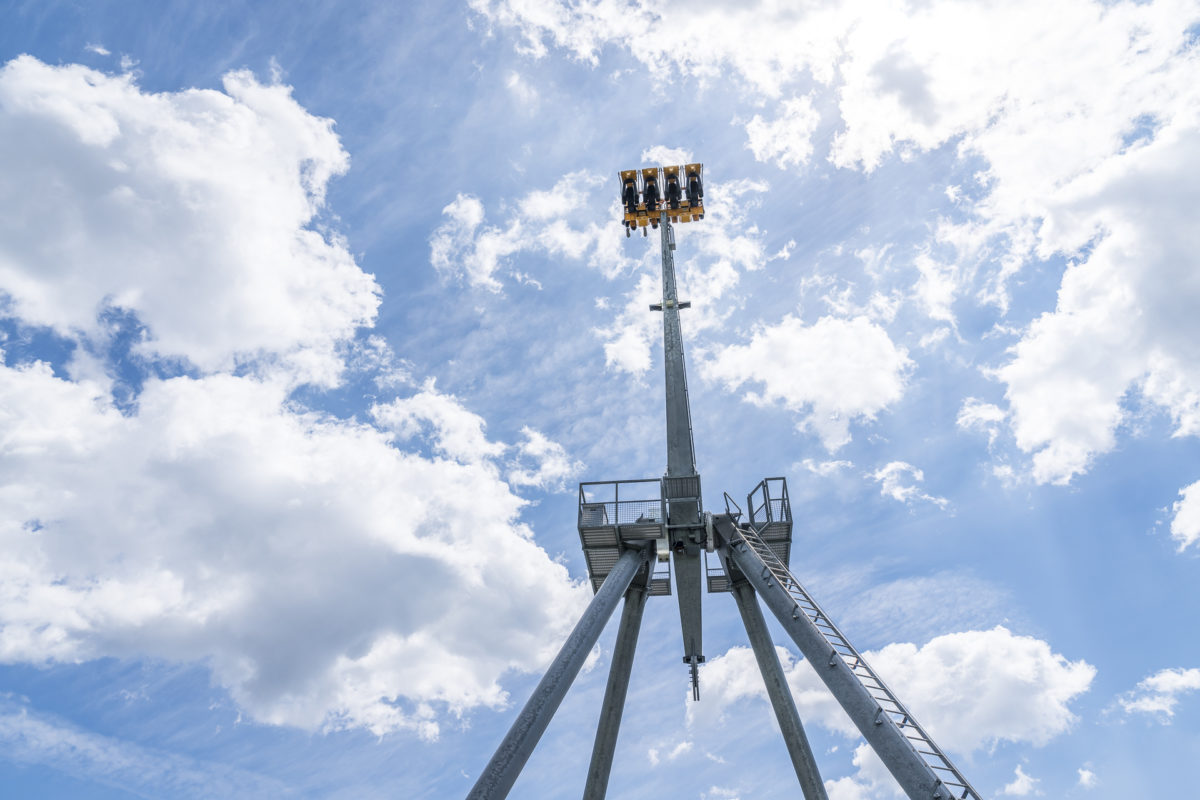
(314, 314)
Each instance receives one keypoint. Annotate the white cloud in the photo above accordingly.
(1022, 784)
(1159, 694)
(719, 248)
(661, 155)
(453, 430)
(551, 466)
(1185, 526)
(784, 253)
(1087, 779)
(1065, 79)
(937, 287)
(456, 248)
(327, 573)
(976, 688)
(898, 480)
(970, 690)
(720, 793)
(1084, 117)
(681, 749)
(627, 341)
(463, 247)
(98, 49)
(1124, 318)
(825, 469)
(831, 373)
(848, 789)
(194, 210)
(975, 414)
(525, 94)
(328, 578)
(787, 140)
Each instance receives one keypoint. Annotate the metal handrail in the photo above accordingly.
(856, 662)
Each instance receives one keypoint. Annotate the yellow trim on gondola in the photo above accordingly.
(641, 218)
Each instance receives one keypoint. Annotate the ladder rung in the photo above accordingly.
(897, 713)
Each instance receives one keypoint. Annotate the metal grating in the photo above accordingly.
(770, 516)
(615, 514)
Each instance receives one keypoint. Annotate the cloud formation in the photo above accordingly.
(970, 690)
(194, 211)
(1158, 694)
(1185, 525)
(786, 140)
(1022, 784)
(329, 578)
(831, 373)
(1084, 120)
(898, 480)
(331, 572)
(465, 248)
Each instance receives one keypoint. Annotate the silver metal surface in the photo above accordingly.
(614, 694)
(501, 772)
(614, 515)
(781, 696)
(682, 482)
(921, 768)
(681, 452)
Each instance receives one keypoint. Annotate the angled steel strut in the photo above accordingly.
(634, 533)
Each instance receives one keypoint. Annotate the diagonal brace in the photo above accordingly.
(614, 694)
(781, 697)
(895, 750)
(501, 772)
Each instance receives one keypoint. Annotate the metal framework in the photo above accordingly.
(635, 533)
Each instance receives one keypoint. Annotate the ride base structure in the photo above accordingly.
(636, 533)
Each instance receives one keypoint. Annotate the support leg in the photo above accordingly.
(781, 697)
(614, 694)
(501, 772)
(893, 746)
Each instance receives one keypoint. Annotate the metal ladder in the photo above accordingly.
(889, 704)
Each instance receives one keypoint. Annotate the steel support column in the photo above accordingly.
(781, 696)
(681, 451)
(614, 694)
(501, 772)
(915, 777)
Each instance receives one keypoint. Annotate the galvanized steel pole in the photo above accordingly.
(781, 696)
(681, 453)
(614, 694)
(501, 772)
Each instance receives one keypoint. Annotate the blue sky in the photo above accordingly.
(314, 315)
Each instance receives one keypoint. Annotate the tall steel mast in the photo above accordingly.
(682, 481)
(633, 529)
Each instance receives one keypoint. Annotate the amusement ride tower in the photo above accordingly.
(636, 532)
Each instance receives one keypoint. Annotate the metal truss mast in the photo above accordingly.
(634, 533)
